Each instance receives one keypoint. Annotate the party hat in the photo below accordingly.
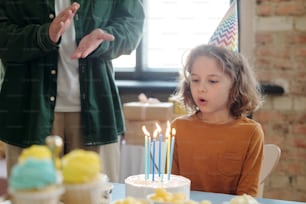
(227, 33)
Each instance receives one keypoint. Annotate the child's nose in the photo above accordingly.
(203, 87)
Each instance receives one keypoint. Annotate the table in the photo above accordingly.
(215, 198)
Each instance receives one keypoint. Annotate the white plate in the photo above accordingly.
(227, 202)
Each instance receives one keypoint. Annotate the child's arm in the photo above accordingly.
(248, 182)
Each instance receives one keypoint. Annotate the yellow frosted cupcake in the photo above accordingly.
(82, 177)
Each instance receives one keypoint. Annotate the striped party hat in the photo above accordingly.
(227, 33)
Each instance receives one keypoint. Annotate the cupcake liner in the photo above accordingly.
(47, 196)
(107, 191)
(89, 193)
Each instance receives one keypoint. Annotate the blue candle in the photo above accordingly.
(148, 155)
(158, 132)
(159, 153)
(154, 144)
(153, 160)
(146, 158)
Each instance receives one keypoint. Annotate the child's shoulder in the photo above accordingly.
(249, 121)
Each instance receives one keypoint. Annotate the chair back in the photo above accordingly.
(271, 156)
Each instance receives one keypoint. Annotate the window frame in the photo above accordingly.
(163, 80)
(141, 72)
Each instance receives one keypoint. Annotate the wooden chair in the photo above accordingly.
(271, 156)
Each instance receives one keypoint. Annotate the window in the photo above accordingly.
(171, 28)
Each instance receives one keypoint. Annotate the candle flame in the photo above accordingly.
(173, 131)
(155, 133)
(145, 131)
(168, 129)
(158, 127)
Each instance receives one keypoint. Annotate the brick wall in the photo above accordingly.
(280, 57)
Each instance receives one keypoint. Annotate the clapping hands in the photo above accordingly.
(89, 42)
(62, 21)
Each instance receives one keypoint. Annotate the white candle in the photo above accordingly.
(147, 151)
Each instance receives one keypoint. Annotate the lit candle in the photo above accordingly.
(171, 152)
(163, 160)
(159, 154)
(153, 160)
(147, 152)
(168, 148)
(159, 147)
(165, 148)
(148, 155)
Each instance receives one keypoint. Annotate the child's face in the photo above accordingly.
(210, 86)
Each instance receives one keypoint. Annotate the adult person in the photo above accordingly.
(59, 76)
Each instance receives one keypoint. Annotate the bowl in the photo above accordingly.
(160, 200)
(130, 200)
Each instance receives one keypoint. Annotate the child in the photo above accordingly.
(217, 147)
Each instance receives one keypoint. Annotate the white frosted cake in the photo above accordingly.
(136, 185)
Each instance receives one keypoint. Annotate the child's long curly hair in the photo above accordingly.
(245, 95)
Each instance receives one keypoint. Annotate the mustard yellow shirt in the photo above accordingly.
(221, 158)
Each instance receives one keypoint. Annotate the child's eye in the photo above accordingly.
(194, 80)
(213, 81)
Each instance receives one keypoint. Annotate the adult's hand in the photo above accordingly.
(90, 42)
(62, 21)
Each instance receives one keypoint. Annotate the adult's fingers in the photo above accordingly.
(106, 36)
(74, 7)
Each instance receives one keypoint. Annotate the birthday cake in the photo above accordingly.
(139, 187)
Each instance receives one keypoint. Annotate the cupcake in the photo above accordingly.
(34, 180)
(35, 151)
(82, 177)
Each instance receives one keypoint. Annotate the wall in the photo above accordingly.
(280, 57)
